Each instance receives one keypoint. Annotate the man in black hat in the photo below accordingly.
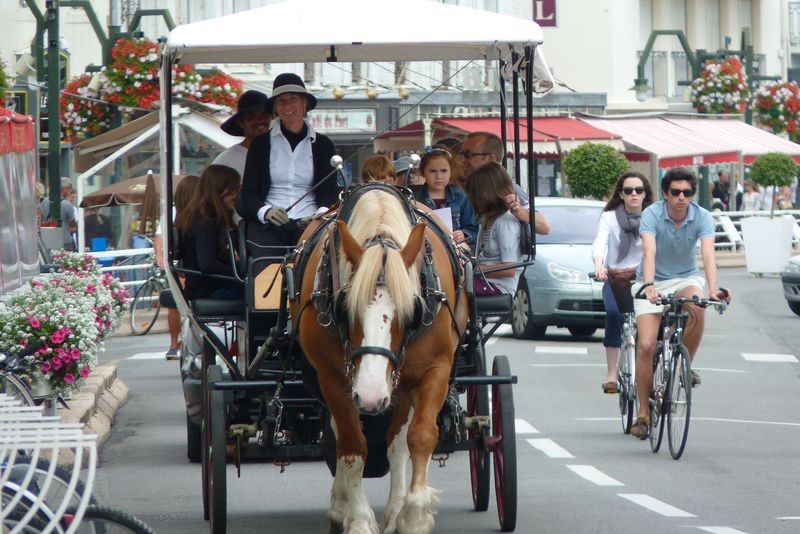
(288, 177)
(251, 119)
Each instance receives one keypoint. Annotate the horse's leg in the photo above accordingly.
(349, 506)
(398, 460)
(421, 502)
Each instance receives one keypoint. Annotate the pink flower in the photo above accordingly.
(85, 371)
(57, 337)
(34, 322)
(69, 378)
(45, 368)
(76, 354)
(90, 288)
(56, 361)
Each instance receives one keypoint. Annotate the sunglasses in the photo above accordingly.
(688, 193)
(629, 190)
(469, 155)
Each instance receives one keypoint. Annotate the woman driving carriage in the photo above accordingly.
(288, 177)
(499, 240)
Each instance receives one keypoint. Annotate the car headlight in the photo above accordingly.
(792, 267)
(569, 276)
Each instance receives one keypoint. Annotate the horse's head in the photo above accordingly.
(380, 305)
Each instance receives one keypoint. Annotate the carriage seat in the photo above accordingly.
(207, 310)
(494, 304)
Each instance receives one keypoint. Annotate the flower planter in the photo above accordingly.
(767, 243)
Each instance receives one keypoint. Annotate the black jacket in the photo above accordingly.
(199, 253)
(256, 180)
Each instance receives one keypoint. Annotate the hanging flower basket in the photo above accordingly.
(82, 115)
(721, 88)
(777, 107)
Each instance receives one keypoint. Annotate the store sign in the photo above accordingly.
(544, 12)
(343, 120)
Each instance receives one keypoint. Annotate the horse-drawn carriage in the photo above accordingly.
(364, 345)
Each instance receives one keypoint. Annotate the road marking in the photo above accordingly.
(762, 357)
(788, 518)
(594, 475)
(550, 448)
(550, 349)
(491, 341)
(720, 370)
(694, 419)
(651, 503)
(722, 530)
(524, 427)
(147, 356)
(567, 364)
(504, 329)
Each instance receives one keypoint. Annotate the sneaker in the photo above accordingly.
(695, 379)
(172, 354)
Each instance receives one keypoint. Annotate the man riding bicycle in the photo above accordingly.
(670, 230)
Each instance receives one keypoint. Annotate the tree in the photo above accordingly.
(593, 169)
(3, 82)
(773, 170)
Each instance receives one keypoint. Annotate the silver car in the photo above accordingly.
(557, 289)
(790, 278)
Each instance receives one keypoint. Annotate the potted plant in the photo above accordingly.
(768, 240)
(592, 169)
(722, 87)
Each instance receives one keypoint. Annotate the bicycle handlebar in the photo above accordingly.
(672, 300)
(26, 351)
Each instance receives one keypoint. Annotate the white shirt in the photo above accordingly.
(291, 174)
(233, 157)
(751, 201)
(606, 244)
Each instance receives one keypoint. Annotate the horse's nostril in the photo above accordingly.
(355, 398)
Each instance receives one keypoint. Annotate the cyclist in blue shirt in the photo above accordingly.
(670, 230)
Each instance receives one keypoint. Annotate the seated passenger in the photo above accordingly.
(204, 224)
(499, 243)
(437, 193)
(378, 169)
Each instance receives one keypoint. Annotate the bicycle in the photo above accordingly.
(671, 392)
(626, 372)
(10, 382)
(146, 305)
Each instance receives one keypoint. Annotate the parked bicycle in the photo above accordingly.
(146, 306)
(11, 371)
(671, 392)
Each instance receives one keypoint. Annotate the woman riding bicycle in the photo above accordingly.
(617, 251)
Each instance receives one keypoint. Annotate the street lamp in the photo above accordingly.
(640, 86)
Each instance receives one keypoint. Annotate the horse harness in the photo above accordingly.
(328, 295)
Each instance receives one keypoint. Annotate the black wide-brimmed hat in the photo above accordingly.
(249, 101)
(289, 82)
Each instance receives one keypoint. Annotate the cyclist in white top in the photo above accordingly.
(617, 251)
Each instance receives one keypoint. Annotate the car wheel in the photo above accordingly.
(795, 307)
(522, 325)
(582, 331)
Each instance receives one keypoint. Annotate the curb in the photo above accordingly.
(95, 405)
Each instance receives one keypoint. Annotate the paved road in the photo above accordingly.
(577, 471)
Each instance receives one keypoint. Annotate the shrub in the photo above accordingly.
(773, 170)
(593, 169)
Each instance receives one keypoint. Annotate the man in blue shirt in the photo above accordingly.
(670, 230)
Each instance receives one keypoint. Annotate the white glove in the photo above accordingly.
(276, 216)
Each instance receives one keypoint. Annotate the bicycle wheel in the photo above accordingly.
(145, 307)
(679, 401)
(58, 488)
(657, 399)
(105, 520)
(627, 387)
(16, 388)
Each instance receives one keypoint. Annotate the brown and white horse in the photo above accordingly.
(365, 367)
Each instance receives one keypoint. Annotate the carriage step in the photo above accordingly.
(484, 380)
(477, 422)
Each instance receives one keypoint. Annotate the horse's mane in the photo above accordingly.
(376, 214)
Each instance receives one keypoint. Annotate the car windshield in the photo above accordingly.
(575, 225)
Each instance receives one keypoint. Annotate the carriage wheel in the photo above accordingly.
(217, 487)
(205, 431)
(504, 447)
(479, 462)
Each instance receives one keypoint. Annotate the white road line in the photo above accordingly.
(567, 364)
(550, 349)
(594, 475)
(651, 503)
(504, 329)
(550, 448)
(720, 370)
(695, 419)
(788, 518)
(147, 356)
(764, 357)
(491, 341)
(524, 427)
(722, 530)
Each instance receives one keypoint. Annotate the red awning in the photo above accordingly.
(672, 144)
(552, 136)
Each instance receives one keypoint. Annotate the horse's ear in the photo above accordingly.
(413, 245)
(352, 250)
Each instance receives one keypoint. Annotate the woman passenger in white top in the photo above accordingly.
(617, 251)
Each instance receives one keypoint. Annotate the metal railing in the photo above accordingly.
(728, 227)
